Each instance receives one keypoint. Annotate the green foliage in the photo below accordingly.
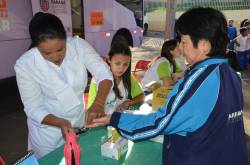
(159, 10)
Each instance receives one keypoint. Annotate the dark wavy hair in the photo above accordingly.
(168, 46)
(45, 26)
(205, 23)
(244, 23)
(122, 48)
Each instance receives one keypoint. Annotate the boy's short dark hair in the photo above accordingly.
(205, 23)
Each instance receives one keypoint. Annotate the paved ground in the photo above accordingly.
(13, 136)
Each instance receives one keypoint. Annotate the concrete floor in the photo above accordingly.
(13, 139)
(13, 136)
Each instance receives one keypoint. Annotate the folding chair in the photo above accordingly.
(141, 65)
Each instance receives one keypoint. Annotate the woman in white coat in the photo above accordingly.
(52, 77)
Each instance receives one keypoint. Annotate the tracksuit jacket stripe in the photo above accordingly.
(201, 120)
(165, 118)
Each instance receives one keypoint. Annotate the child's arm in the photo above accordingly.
(168, 81)
(136, 93)
(126, 104)
(177, 76)
(153, 60)
(235, 40)
(164, 73)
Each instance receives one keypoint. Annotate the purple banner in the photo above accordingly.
(60, 8)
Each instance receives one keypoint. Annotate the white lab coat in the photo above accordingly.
(45, 90)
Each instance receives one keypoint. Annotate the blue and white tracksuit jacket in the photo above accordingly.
(202, 118)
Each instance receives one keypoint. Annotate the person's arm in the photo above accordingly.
(61, 123)
(235, 40)
(32, 98)
(168, 81)
(164, 73)
(185, 110)
(102, 92)
(102, 74)
(153, 60)
(178, 74)
(97, 108)
(248, 37)
(138, 99)
(136, 93)
(93, 62)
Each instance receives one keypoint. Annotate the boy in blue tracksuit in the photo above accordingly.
(232, 33)
(202, 117)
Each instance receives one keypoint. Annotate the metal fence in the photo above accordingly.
(183, 5)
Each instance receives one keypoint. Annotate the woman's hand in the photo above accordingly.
(66, 127)
(95, 111)
(61, 123)
(99, 121)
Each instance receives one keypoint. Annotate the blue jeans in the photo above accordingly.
(242, 60)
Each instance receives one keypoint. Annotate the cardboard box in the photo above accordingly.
(114, 150)
(159, 97)
(116, 146)
(153, 85)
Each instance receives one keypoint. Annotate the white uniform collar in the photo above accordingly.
(50, 75)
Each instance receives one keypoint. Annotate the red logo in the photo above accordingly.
(44, 5)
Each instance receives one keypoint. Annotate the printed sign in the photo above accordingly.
(13, 21)
(3, 4)
(60, 8)
(159, 97)
(4, 16)
(44, 5)
(96, 18)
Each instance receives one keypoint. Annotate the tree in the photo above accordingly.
(170, 19)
